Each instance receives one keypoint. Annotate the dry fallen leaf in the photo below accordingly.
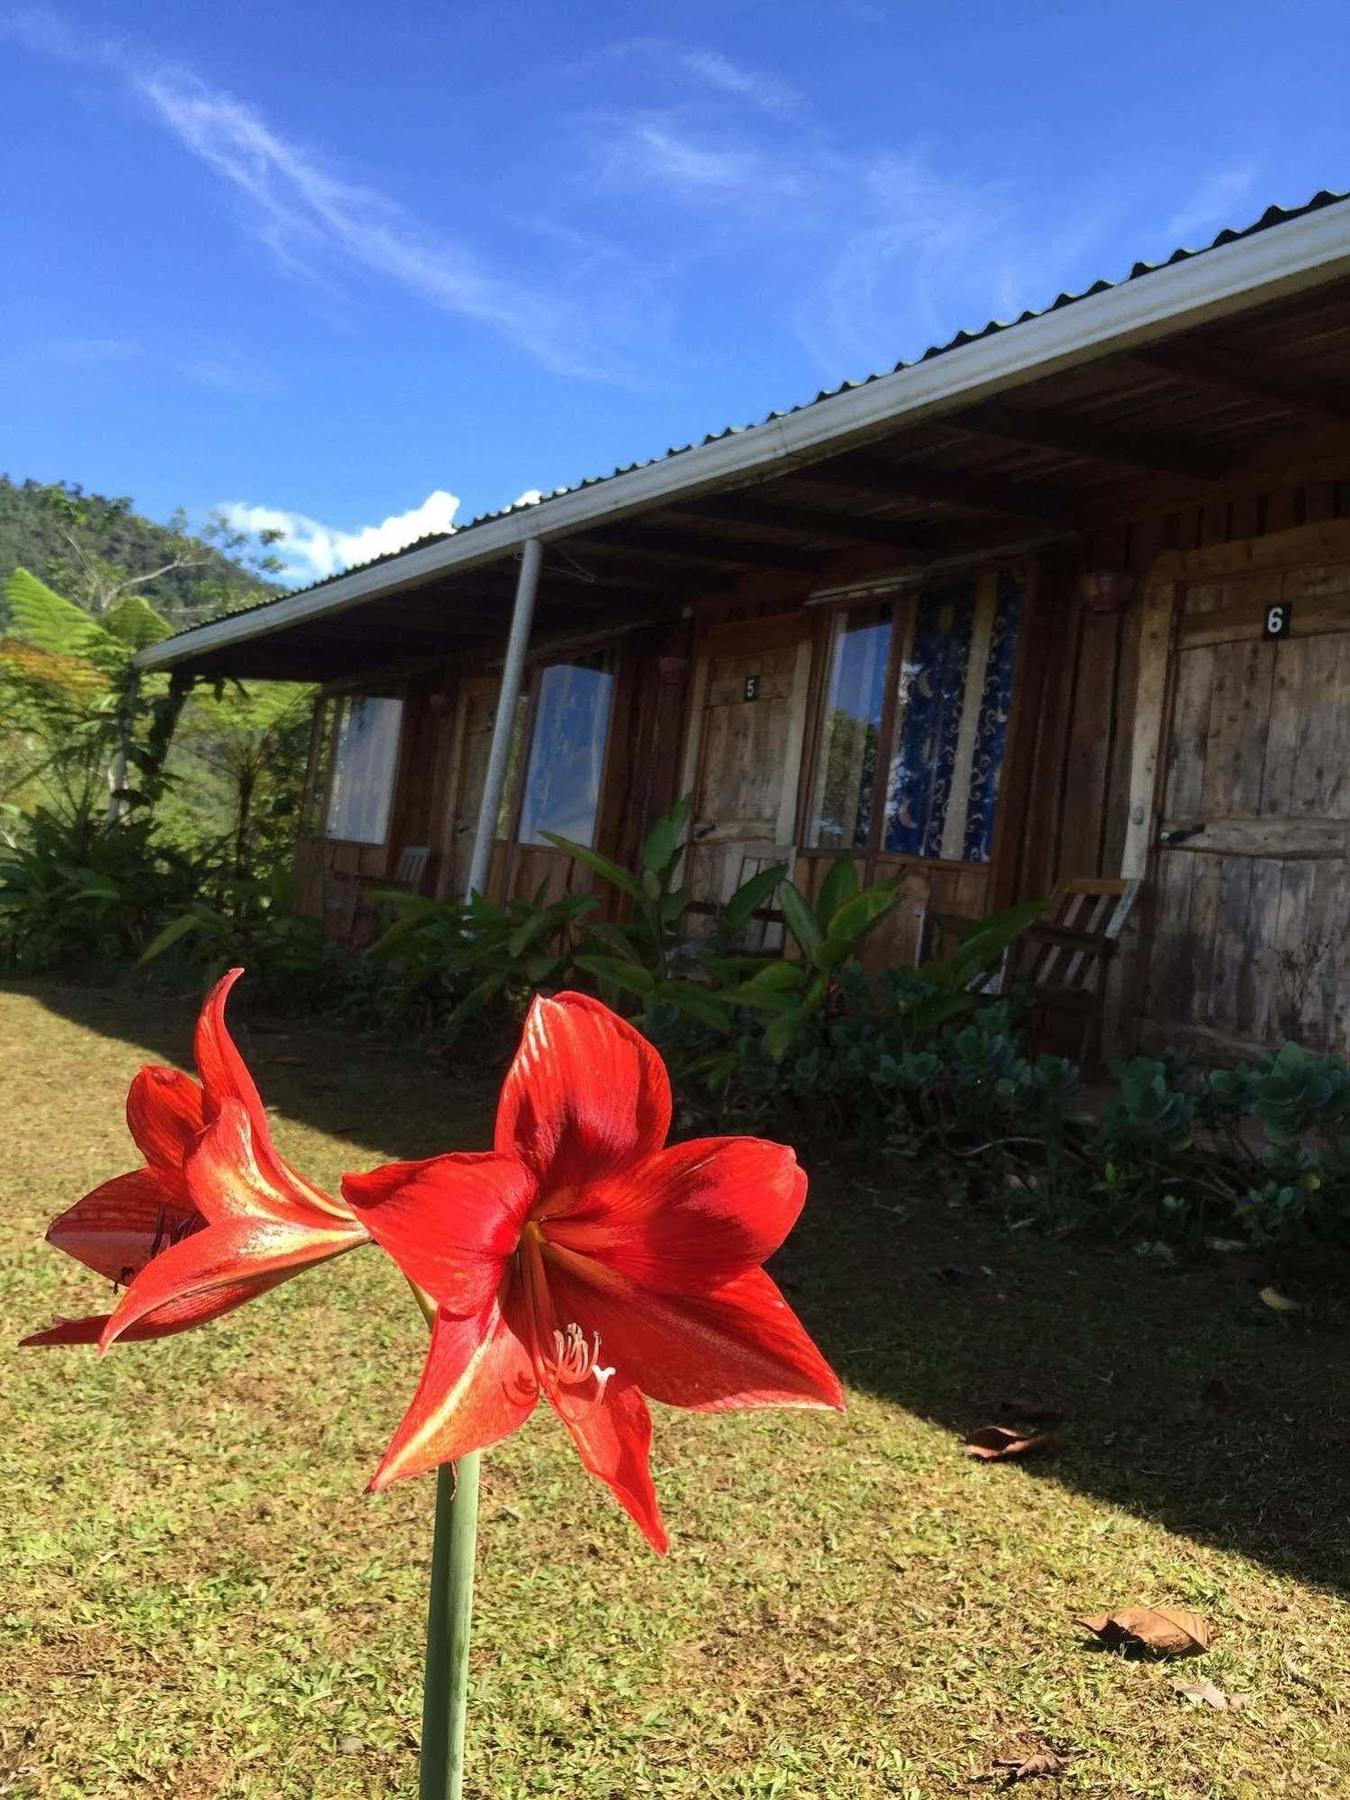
(1160, 1630)
(1043, 1762)
(1204, 1693)
(1278, 1302)
(999, 1443)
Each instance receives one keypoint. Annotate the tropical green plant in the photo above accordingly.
(92, 735)
(75, 892)
(649, 955)
(450, 960)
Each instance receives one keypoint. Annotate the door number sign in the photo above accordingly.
(752, 687)
(1278, 621)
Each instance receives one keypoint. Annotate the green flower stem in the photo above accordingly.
(445, 1686)
(449, 1616)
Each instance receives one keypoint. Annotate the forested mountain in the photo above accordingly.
(88, 547)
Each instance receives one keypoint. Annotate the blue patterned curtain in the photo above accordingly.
(932, 689)
(992, 732)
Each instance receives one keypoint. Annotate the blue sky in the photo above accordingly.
(332, 261)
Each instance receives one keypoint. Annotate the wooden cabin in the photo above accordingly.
(1066, 598)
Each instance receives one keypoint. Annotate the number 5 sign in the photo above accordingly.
(1278, 621)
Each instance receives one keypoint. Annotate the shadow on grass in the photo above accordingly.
(1185, 1399)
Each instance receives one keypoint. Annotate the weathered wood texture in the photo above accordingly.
(1251, 877)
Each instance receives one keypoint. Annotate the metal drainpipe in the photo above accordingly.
(503, 724)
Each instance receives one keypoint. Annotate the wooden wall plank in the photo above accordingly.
(1230, 941)
(1256, 989)
(1188, 741)
(1150, 708)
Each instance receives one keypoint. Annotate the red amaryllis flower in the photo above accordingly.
(585, 1260)
(214, 1218)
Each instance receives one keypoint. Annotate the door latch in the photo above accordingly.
(1179, 834)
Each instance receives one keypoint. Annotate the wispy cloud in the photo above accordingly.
(310, 550)
(218, 366)
(719, 72)
(1218, 201)
(657, 148)
(310, 215)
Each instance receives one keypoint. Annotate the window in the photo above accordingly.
(860, 653)
(365, 759)
(567, 751)
(952, 650)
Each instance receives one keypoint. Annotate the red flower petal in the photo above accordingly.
(742, 1346)
(222, 1069)
(690, 1218)
(613, 1435)
(227, 1179)
(476, 1388)
(165, 1114)
(114, 1229)
(585, 1096)
(450, 1223)
(225, 1077)
(177, 1315)
(240, 1252)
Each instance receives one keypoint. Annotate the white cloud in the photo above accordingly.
(310, 550)
(719, 72)
(216, 367)
(658, 149)
(308, 214)
(1217, 202)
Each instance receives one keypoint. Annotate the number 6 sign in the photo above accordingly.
(1278, 621)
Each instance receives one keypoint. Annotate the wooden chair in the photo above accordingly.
(1061, 962)
(766, 932)
(411, 869)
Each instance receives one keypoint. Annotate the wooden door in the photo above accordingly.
(744, 751)
(1251, 903)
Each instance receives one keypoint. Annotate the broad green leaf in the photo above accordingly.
(852, 922)
(602, 865)
(617, 937)
(697, 1001)
(172, 932)
(750, 896)
(800, 920)
(623, 974)
(781, 1034)
(775, 977)
(664, 837)
(840, 884)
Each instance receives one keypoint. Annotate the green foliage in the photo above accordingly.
(446, 962)
(76, 893)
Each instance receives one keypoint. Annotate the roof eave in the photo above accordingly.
(1231, 278)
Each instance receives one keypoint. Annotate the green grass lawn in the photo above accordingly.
(198, 1600)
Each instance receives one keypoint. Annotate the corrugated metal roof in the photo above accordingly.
(1273, 216)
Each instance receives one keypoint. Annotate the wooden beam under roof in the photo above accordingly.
(652, 540)
(806, 521)
(1253, 377)
(1083, 437)
(944, 487)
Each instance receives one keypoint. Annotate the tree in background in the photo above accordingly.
(99, 583)
(250, 743)
(78, 726)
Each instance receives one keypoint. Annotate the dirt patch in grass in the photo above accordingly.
(196, 1600)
